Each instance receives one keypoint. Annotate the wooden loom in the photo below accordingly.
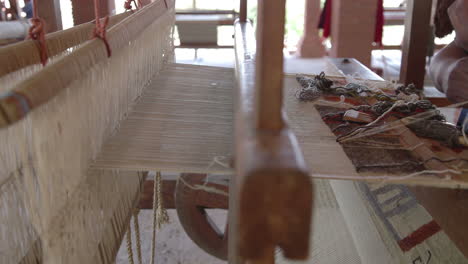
(157, 115)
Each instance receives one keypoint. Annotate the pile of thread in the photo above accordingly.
(419, 115)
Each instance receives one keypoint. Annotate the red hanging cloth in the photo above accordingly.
(379, 23)
(326, 15)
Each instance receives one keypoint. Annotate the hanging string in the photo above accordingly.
(389, 178)
(137, 234)
(37, 32)
(100, 29)
(160, 215)
(129, 244)
(198, 187)
(155, 207)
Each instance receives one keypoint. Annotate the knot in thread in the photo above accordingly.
(37, 32)
(37, 28)
(313, 88)
(128, 4)
(308, 94)
(322, 82)
(100, 32)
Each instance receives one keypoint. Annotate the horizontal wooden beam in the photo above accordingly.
(207, 12)
(201, 46)
(350, 66)
(399, 47)
(55, 45)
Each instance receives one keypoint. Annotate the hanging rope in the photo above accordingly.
(155, 207)
(37, 32)
(137, 234)
(100, 29)
(160, 215)
(129, 244)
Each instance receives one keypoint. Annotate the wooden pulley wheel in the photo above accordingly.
(191, 202)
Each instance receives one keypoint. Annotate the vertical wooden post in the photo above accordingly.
(83, 10)
(14, 10)
(353, 29)
(310, 44)
(415, 42)
(243, 11)
(270, 168)
(267, 258)
(109, 5)
(269, 64)
(143, 2)
(49, 10)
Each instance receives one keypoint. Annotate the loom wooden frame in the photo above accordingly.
(9, 52)
(132, 28)
(57, 76)
(271, 193)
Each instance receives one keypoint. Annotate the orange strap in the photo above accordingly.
(37, 32)
(100, 29)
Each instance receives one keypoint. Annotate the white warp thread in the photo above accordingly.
(203, 187)
(331, 103)
(387, 178)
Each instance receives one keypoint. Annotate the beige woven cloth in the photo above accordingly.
(53, 207)
(182, 122)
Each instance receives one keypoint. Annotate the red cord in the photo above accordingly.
(128, 4)
(37, 32)
(100, 29)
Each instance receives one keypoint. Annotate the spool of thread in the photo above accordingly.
(356, 116)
